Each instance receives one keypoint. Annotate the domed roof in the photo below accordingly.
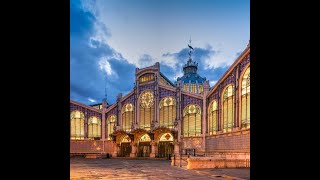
(190, 73)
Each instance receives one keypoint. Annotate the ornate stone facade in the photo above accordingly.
(237, 140)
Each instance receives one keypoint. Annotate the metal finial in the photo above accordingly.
(190, 49)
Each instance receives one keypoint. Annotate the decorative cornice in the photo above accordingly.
(230, 70)
(127, 96)
(167, 87)
(199, 96)
(86, 106)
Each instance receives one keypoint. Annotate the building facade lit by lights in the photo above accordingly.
(159, 118)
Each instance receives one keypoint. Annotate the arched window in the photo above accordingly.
(146, 77)
(186, 87)
(213, 117)
(200, 89)
(146, 109)
(145, 138)
(245, 99)
(127, 113)
(94, 127)
(167, 112)
(192, 121)
(111, 120)
(77, 125)
(193, 88)
(228, 108)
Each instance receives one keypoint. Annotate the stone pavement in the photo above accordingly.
(85, 169)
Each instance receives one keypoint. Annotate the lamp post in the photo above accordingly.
(180, 147)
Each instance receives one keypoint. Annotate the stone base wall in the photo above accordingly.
(176, 161)
(207, 162)
(91, 147)
(239, 141)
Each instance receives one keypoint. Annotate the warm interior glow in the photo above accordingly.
(145, 138)
(127, 116)
(228, 108)
(94, 127)
(126, 139)
(146, 78)
(167, 112)
(146, 109)
(245, 99)
(213, 117)
(111, 120)
(76, 125)
(166, 137)
(192, 121)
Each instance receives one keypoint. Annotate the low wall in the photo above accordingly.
(91, 147)
(176, 161)
(239, 141)
(207, 162)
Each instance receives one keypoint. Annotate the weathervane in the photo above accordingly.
(190, 51)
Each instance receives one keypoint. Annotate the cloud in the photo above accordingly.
(145, 60)
(92, 100)
(172, 63)
(212, 83)
(96, 61)
(91, 59)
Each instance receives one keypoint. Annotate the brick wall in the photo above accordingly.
(228, 142)
(90, 146)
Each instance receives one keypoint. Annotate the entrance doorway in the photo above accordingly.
(165, 146)
(125, 149)
(165, 149)
(144, 149)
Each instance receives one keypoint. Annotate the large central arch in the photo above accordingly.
(144, 147)
(125, 146)
(165, 145)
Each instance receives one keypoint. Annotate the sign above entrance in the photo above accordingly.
(145, 138)
(126, 139)
(166, 137)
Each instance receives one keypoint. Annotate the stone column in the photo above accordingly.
(116, 148)
(103, 123)
(86, 119)
(133, 150)
(176, 148)
(119, 120)
(153, 149)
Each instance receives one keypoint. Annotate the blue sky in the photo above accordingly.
(110, 38)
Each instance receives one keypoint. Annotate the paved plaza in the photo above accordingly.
(127, 169)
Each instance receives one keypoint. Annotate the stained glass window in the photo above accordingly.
(192, 121)
(200, 89)
(245, 99)
(145, 138)
(166, 137)
(77, 125)
(146, 77)
(228, 109)
(186, 87)
(126, 139)
(111, 120)
(193, 88)
(167, 112)
(94, 127)
(213, 117)
(146, 109)
(127, 116)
